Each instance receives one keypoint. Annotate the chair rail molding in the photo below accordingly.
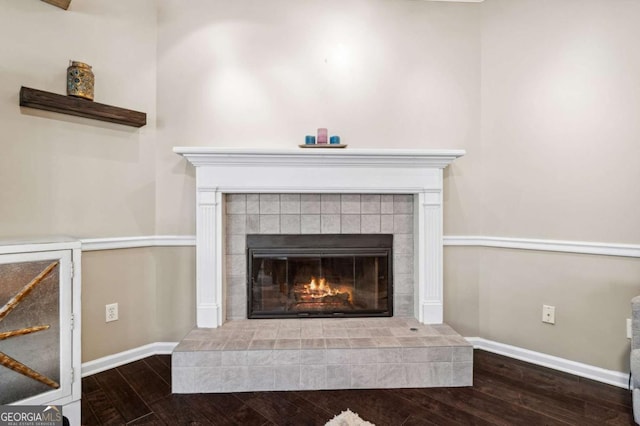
(579, 247)
(116, 243)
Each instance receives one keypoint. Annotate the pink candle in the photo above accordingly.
(322, 135)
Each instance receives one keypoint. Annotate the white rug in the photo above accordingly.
(348, 418)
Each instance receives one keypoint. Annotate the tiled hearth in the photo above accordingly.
(295, 354)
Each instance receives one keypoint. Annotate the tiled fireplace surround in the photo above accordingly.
(318, 214)
(411, 349)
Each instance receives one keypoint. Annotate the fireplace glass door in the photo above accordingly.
(319, 275)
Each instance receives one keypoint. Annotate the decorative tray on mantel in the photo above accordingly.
(323, 145)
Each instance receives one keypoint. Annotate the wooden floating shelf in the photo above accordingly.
(64, 4)
(70, 105)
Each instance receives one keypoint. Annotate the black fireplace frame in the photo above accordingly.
(323, 244)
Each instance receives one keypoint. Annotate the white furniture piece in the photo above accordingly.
(40, 324)
(635, 357)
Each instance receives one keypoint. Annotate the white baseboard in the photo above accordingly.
(121, 358)
(602, 375)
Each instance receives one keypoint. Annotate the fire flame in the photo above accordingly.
(319, 288)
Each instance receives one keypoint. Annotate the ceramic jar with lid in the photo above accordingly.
(80, 80)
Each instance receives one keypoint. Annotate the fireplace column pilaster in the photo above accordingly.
(429, 299)
(209, 236)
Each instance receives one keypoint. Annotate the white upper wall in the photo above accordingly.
(560, 119)
(554, 83)
(68, 175)
(379, 73)
(249, 73)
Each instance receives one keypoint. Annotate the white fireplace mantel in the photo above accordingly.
(318, 170)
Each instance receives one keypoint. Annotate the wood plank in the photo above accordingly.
(160, 367)
(79, 107)
(145, 382)
(124, 398)
(603, 392)
(570, 410)
(226, 402)
(546, 380)
(559, 403)
(306, 405)
(88, 417)
(443, 414)
(281, 411)
(104, 409)
(326, 400)
(424, 420)
(149, 419)
(178, 410)
(226, 410)
(89, 384)
(489, 407)
(63, 4)
(166, 359)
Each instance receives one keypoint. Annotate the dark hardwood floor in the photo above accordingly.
(505, 392)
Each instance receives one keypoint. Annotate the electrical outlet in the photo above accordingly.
(629, 332)
(111, 312)
(549, 314)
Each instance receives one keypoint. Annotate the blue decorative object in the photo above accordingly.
(334, 140)
(309, 140)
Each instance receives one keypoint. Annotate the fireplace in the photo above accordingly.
(221, 171)
(319, 275)
(268, 193)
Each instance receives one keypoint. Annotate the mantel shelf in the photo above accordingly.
(48, 101)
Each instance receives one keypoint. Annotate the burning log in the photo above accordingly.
(319, 291)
